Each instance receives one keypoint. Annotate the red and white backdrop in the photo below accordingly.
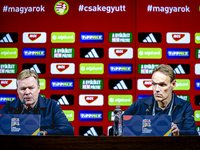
(116, 45)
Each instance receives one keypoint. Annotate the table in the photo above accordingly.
(101, 142)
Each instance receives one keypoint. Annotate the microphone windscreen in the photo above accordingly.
(24, 102)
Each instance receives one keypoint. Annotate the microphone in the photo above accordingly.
(23, 103)
(148, 110)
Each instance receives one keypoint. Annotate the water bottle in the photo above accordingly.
(117, 126)
(198, 130)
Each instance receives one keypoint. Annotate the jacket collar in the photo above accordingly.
(149, 101)
(41, 102)
(14, 104)
(177, 102)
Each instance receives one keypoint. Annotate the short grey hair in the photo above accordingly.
(167, 70)
(26, 73)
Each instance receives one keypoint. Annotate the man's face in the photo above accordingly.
(162, 87)
(28, 90)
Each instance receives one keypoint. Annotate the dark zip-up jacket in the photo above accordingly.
(53, 120)
(182, 113)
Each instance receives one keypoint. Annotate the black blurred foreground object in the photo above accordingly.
(98, 142)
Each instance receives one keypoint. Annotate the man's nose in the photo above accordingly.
(27, 91)
(157, 88)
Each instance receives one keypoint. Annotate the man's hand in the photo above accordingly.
(175, 130)
(44, 133)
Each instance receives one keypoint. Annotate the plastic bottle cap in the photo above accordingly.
(117, 106)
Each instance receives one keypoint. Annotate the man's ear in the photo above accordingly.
(173, 84)
(39, 88)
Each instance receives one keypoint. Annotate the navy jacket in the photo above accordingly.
(53, 120)
(182, 113)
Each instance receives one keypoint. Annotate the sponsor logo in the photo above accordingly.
(64, 99)
(147, 84)
(8, 37)
(8, 68)
(184, 97)
(38, 68)
(91, 100)
(146, 126)
(182, 84)
(178, 37)
(8, 53)
(146, 68)
(91, 52)
(4, 83)
(15, 123)
(181, 68)
(142, 96)
(149, 37)
(197, 69)
(197, 84)
(34, 52)
(149, 53)
(144, 84)
(120, 53)
(197, 115)
(62, 52)
(120, 68)
(69, 114)
(120, 37)
(62, 84)
(197, 53)
(91, 84)
(91, 68)
(62, 68)
(178, 53)
(91, 37)
(7, 98)
(197, 38)
(146, 123)
(34, 37)
(88, 98)
(42, 84)
(62, 37)
(90, 131)
(111, 115)
(90, 115)
(61, 7)
(122, 100)
(124, 84)
(197, 100)
(8, 84)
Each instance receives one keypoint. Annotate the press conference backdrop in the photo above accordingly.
(94, 55)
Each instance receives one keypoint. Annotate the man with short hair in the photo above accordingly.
(53, 120)
(165, 102)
